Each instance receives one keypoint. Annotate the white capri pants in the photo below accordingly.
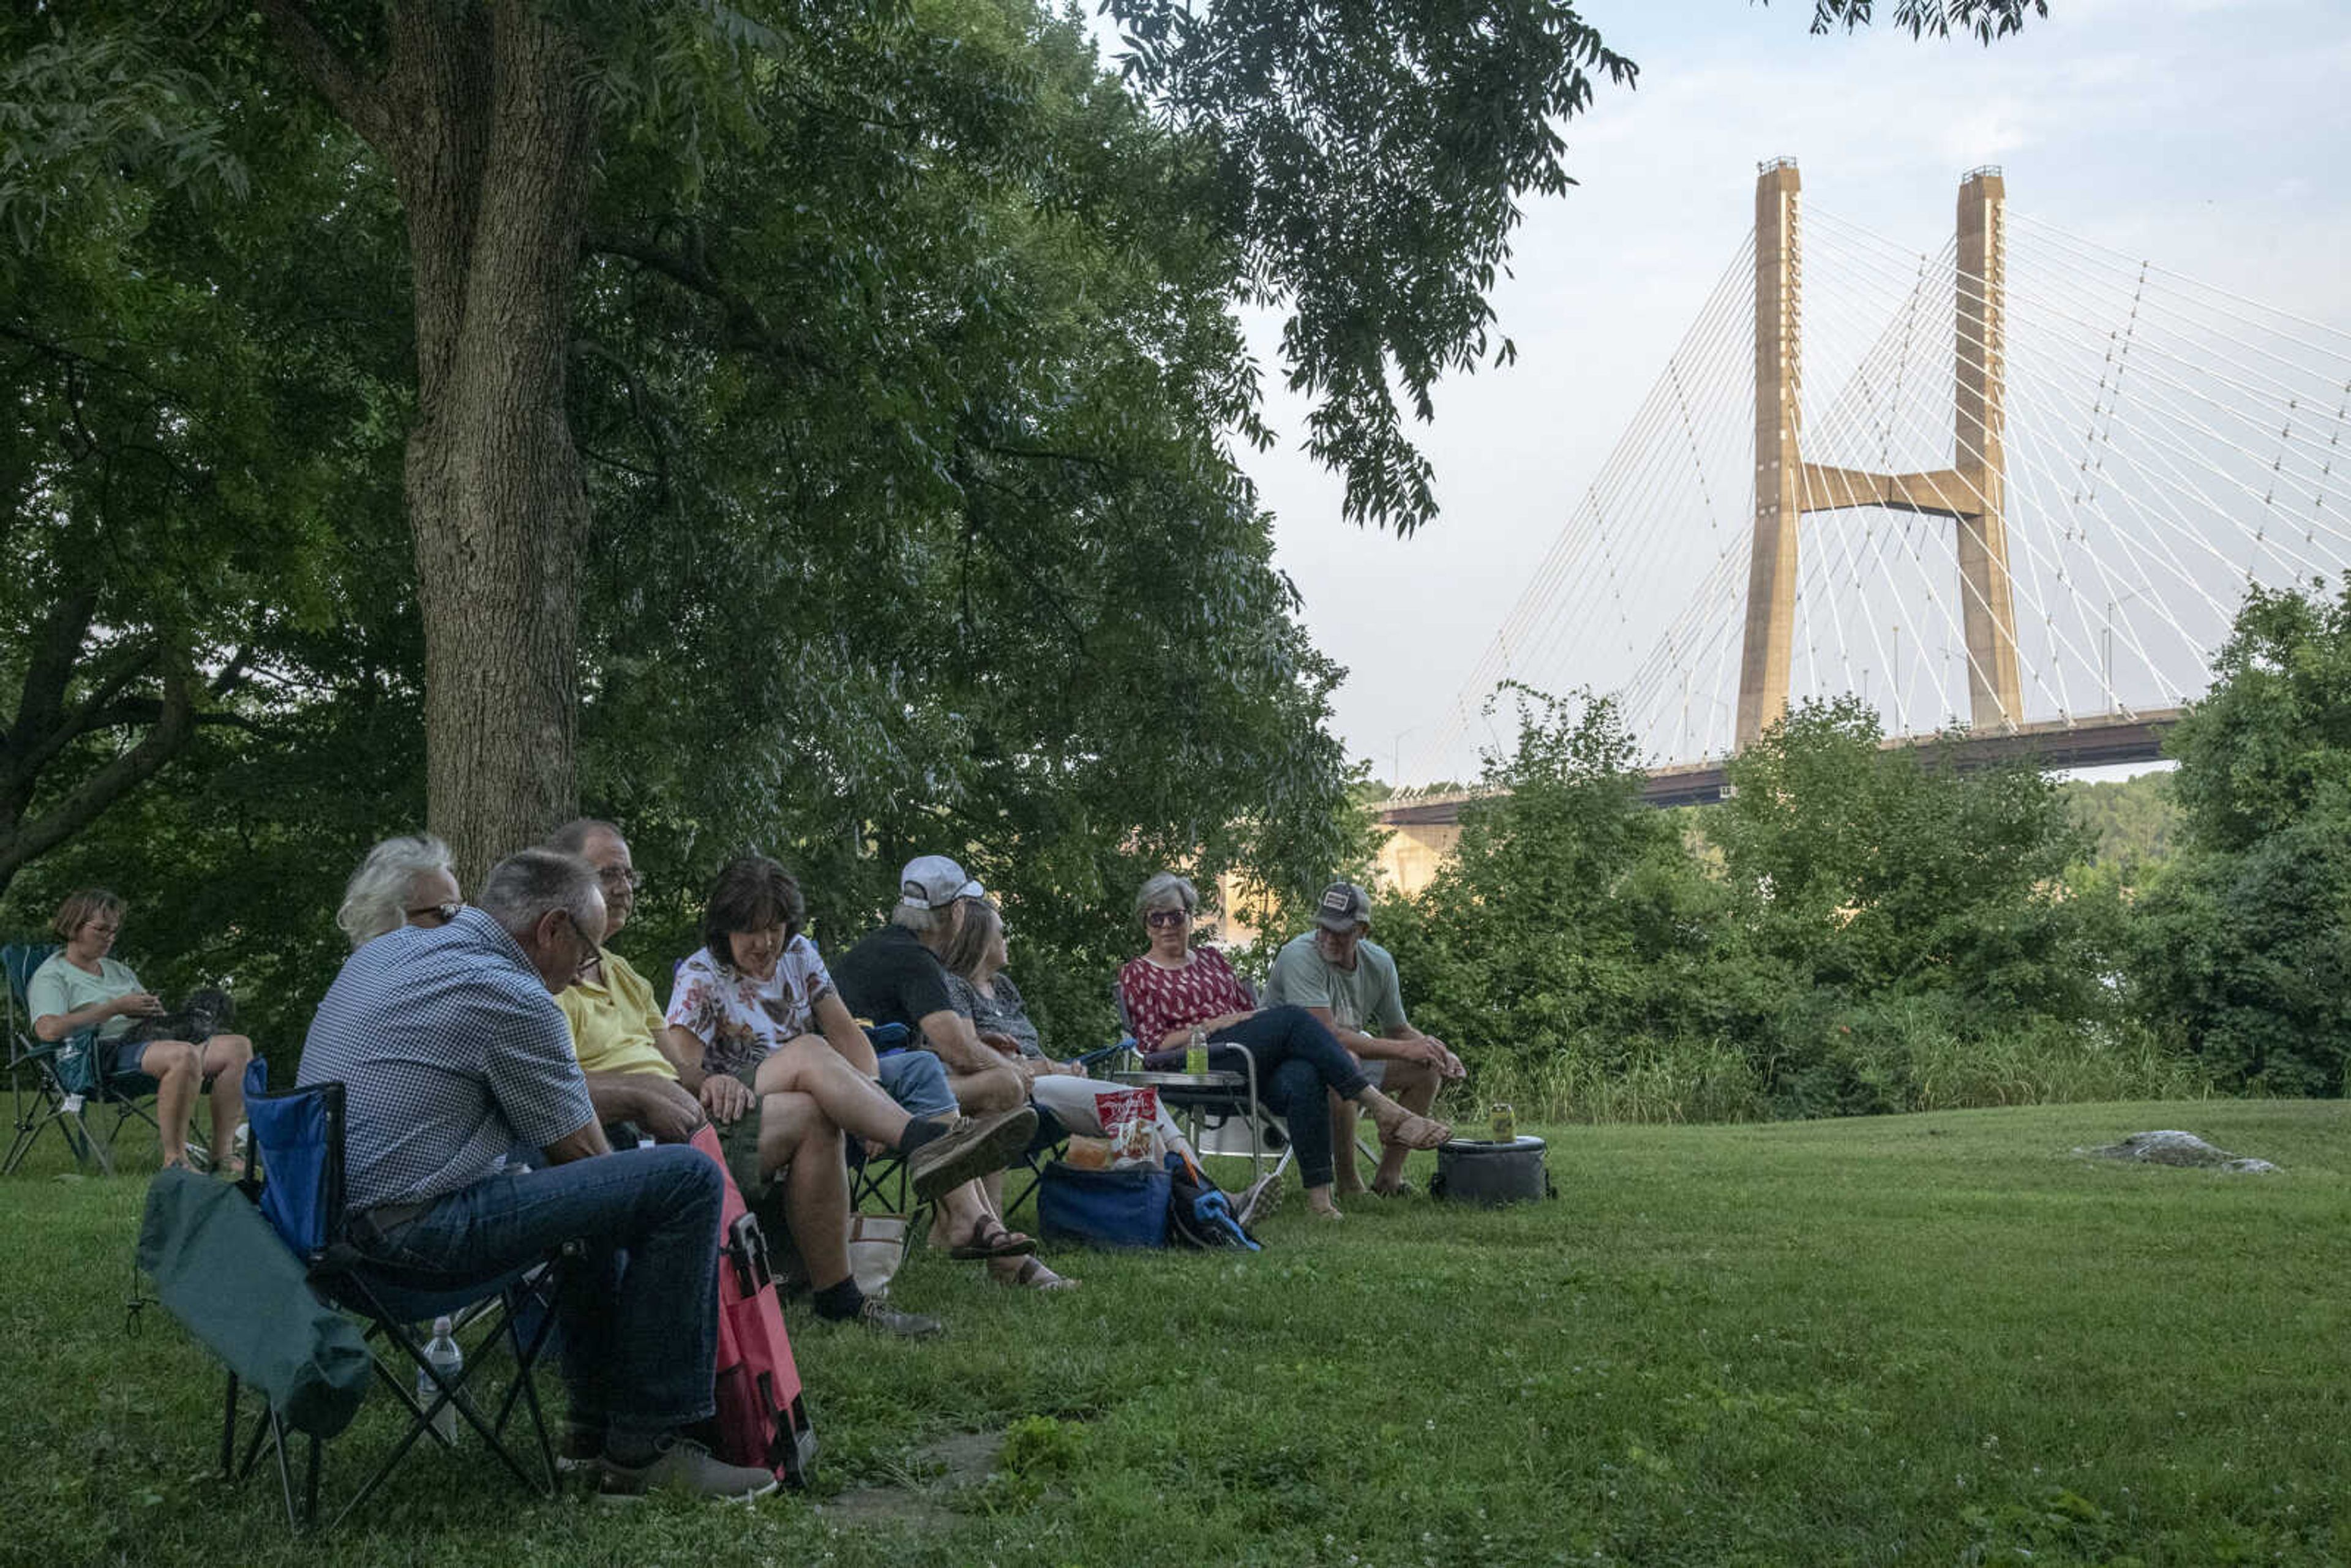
(1072, 1101)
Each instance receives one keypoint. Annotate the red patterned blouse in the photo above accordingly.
(1158, 1000)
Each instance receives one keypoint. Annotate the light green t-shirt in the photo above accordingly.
(1365, 999)
(58, 987)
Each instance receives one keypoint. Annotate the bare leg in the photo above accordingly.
(172, 1064)
(1343, 1143)
(849, 1101)
(1413, 1085)
(793, 1131)
(991, 1088)
(964, 1215)
(224, 1056)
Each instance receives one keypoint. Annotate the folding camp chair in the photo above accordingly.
(62, 1083)
(1211, 1114)
(876, 1173)
(298, 1139)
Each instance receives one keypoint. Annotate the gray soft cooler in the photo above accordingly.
(1472, 1170)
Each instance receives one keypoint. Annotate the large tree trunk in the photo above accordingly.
(491, 133)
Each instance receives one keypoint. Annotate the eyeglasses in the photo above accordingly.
(432, 914)
(619, 876)
(1162, 917)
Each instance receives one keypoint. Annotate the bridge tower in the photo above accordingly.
(1971, 492)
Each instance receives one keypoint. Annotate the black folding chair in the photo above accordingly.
(66, 1084)
(297, 1142)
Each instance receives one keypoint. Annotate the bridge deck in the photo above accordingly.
(2058, 743)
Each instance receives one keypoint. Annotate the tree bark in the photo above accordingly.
(491, 135)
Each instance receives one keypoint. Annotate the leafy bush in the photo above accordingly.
(2241, 947)
(1855, 931)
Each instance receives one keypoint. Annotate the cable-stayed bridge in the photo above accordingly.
(2017, 486)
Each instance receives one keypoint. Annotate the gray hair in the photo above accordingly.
(376, 899)
(573, 836)
(922, 921)
(524, 887)
(1163, 890)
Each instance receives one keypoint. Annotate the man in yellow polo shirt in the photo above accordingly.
(616, 1027)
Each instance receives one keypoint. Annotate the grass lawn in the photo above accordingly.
(1933, 1339)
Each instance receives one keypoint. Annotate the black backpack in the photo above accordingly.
(1201, 1217)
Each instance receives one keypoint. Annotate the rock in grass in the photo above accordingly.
(2172, 1147)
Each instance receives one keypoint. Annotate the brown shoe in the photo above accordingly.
(977, 1145)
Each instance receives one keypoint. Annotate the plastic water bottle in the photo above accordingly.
(1196, 1053)
(441, 1351)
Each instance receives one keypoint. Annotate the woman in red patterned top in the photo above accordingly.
(1174, 987)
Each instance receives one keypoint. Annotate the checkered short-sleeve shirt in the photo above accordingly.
(450, 1051)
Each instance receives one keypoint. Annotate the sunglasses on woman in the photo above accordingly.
(1158, 917)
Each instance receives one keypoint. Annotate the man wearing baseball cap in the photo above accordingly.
(1349, 982)
(895, 976)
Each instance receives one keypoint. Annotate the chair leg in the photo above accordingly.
(294, 1518)
(99, 1152)
(28, 1134)
(228, 1433)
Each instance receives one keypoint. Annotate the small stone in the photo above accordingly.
(2170, 1147)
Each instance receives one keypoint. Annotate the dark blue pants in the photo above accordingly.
(1298, 1062)
(639, 1315)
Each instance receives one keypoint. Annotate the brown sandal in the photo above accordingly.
(992, 1240)
(1034, 1275)
(1415, 1130)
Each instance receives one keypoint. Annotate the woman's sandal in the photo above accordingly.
(992, 1240)
(1418, 1132)
(1033, 1275)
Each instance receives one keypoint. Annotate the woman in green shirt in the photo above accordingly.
(82, 986)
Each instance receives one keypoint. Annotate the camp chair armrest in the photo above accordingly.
(1104, 1054)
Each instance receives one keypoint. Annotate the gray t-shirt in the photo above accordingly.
(1364, 998)
(1004, 1012)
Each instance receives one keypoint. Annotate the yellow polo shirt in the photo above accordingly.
(613, 1025)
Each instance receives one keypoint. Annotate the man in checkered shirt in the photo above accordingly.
(452, 1052)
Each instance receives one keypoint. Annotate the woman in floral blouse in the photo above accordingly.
(1174, 987)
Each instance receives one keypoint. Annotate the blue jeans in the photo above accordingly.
(917, 1080)
(639, 1314)
(1298, 1060)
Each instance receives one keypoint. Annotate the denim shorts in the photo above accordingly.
(917, 1080)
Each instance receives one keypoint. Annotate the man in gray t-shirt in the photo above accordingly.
(1350, 982)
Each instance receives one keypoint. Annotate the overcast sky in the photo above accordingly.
(2209, 135)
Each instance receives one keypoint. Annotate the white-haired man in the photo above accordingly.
(452, 1052)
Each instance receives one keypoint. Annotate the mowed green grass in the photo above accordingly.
(1932, 1339)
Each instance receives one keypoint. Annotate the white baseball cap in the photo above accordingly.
(934, 881)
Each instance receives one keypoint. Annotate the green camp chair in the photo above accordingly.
(62, 1083)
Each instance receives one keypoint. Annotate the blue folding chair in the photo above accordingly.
(62, 1082)
(297, 1143)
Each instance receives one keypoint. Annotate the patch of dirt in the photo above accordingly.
(954, 1462)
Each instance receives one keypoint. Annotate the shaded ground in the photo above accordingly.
(1832, 1342)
